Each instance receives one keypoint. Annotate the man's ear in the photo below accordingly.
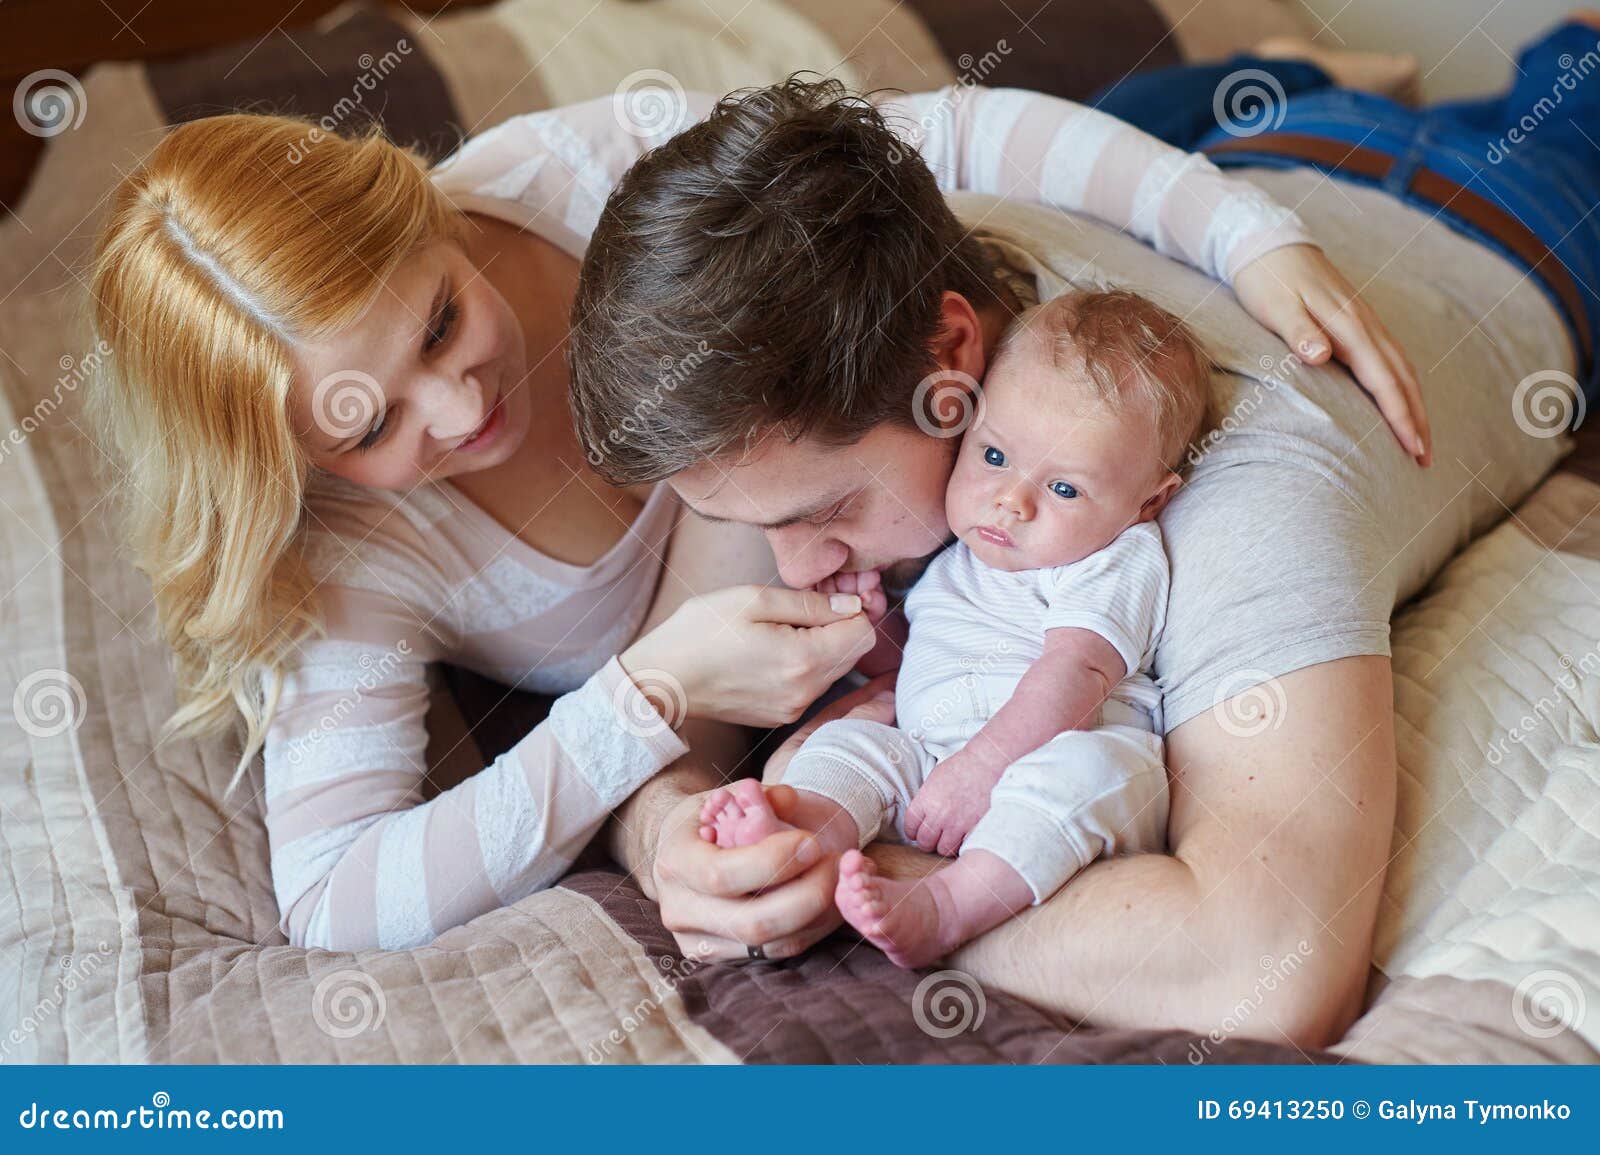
(1157, 501)
(959, 343)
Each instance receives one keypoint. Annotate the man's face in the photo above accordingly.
(833, 509)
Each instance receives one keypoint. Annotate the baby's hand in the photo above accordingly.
(866, 584)
(949, 804)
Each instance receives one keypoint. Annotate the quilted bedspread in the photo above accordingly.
(137, 918)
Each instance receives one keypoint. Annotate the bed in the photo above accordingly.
(138, 924)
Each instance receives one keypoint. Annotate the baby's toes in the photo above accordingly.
(713, 804)
(748, 794)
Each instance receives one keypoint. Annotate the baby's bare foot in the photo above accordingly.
(739, 815)
(902, 919)
(1392, 74)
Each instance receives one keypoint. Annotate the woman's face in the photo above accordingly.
(426, 385)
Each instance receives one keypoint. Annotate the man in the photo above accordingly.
(807, 262)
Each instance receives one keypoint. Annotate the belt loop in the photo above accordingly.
(1407, 164)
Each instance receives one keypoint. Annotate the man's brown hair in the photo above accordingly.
(778, 267)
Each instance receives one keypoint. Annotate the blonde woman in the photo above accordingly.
(340, 401)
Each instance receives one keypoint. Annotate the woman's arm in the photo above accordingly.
(1027, 146)
(559, 166)
(358, 859)
(702, 556)
(1021, 145)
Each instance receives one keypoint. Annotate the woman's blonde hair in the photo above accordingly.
(239, 237)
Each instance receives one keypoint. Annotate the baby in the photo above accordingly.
(1028, 734)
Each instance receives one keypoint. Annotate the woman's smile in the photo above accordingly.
(488, 431)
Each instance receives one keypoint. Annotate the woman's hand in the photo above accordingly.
(777, 894)
(752, 655)
(1297, 293)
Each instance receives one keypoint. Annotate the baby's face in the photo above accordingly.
(1047, 474)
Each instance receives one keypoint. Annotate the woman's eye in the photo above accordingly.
(374, 434)
(993, 456)
(439, 331)
(1063, 489)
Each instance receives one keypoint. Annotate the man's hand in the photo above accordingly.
(777, 894)
(1297, 293)
(954, 797)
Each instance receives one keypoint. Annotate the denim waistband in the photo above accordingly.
(1554, 200)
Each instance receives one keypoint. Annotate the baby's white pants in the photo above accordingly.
(1083, 794)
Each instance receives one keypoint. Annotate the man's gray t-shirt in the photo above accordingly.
(1302, 523)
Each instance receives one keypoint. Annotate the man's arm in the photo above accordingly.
(1264, 912)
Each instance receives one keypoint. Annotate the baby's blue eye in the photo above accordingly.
(993, 456)
(1063, 489)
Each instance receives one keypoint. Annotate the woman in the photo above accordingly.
(340, 400)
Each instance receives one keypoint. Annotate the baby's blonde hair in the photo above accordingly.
(1132, 351)
(239, 237)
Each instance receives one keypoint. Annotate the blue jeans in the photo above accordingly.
(1533, 151)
